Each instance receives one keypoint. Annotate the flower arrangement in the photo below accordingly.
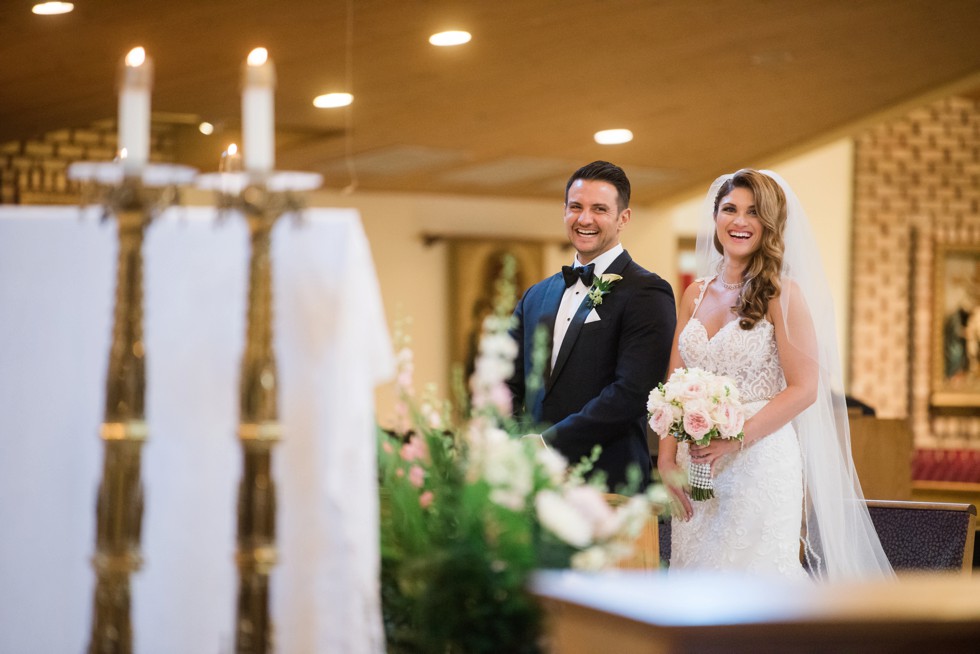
(696, 406)
(469, 510)
(601, 286)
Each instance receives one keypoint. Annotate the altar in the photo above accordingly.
(57, 267)
(728, 613)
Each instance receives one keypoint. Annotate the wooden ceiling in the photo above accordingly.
(706, 86)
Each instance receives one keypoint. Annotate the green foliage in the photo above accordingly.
(453, 572)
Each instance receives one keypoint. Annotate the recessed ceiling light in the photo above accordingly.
(613, 136)
(52, 8)
(332, 100)
(206, 128)
(454, 37)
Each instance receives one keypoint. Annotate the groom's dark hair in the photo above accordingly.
(603, 171)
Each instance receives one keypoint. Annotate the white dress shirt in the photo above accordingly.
(572, 299)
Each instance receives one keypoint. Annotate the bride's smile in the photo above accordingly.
(738, 224)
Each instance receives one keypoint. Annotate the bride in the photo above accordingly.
(761, 314)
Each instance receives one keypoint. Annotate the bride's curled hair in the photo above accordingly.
(762, 274)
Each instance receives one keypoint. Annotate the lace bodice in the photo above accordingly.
(747, 356)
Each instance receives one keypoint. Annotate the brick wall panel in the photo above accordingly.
(34, 171)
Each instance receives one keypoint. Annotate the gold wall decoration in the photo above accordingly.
(956, 325)
(474, 267)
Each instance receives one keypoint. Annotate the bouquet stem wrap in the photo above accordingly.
(702, 484)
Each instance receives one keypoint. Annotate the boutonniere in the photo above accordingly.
(601, 286)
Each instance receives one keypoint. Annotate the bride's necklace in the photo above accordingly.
(731, 287)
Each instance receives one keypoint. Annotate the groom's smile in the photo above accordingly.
(592, 218)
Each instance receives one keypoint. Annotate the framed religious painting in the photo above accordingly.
(956, 326)
(475, 264)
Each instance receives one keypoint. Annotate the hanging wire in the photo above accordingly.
(349, 115)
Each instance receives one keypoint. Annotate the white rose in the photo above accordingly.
(655, 399)
(690, 384)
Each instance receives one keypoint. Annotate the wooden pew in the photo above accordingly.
(882, 452)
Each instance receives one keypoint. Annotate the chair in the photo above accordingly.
(646, 550)
(925, 535)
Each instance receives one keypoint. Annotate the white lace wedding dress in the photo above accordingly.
(753, 523)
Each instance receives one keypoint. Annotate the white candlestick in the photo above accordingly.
(135, 82)
(258, 112)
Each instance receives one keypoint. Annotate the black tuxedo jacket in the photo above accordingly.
(597, 392)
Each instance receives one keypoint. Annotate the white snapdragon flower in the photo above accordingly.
(510, 474)
(594, 508)
(591, 559)
(562, 519)
(499, 345)
(502, 463)
(405, 369)
(554, 464)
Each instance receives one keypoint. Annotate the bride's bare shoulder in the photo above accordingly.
(690, 296)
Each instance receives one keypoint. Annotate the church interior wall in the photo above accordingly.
(917, 182)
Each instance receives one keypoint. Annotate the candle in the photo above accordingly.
(135, 82)
(258, 112)
(231, 160)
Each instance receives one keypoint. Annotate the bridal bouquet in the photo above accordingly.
(696, 406)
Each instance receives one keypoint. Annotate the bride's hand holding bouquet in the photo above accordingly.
(698, 407)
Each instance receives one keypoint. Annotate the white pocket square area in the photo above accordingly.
(592, 317)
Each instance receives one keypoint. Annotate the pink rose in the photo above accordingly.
(661, 420)
(425, 499)
(729, 418)
(697, 420)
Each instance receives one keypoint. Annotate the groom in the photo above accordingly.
(610, 326)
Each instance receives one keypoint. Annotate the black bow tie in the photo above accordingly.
(572, 275)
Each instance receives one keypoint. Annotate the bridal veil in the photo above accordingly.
(839, 538)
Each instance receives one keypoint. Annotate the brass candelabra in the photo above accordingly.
(259, 427)
(119, 509)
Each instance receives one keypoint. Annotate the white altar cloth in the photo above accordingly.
(57, 267)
